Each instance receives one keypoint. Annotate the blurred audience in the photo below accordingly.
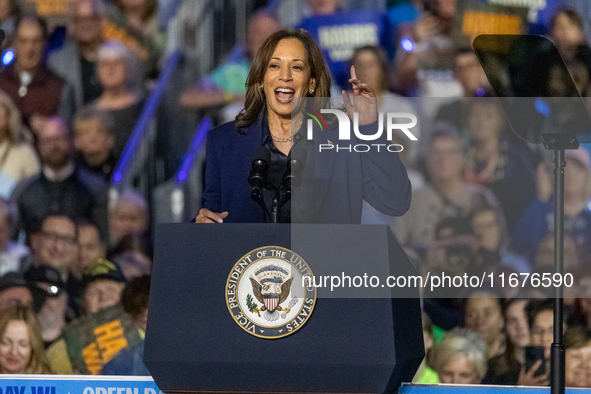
(119, 95)
(425, 374)
(94, 138)
(14, 257)
(485, 318)
(62, 186)
(494, 162)
(18, 159)
(577, 341)
(460, 358)
(14, 290)
(55, 245)
(540, 317)
(90, 245)
(469, 73)
(544, 258)
(444, 195)
(76, 60)
(10, 11)
(504, 368)
(538, 218)
(104, 283)
(134, 255)
(427, 69)
(128, 215)
(566, 30)
(142, 17)
(371, 67)
(226, 85)
(489, 226)
(51, 301)
(324, 7)
(36, 91)
(21, 346)
(129, 361)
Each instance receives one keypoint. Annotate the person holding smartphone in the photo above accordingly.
(537, 362)
(504, 369)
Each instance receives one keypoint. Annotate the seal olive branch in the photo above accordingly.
(252, 306)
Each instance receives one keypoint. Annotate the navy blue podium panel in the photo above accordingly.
(194, 344)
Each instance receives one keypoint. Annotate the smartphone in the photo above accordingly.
(532, 355)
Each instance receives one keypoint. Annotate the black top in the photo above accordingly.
(91, 87)
(125, 120)
(509, 378)
(82, 194)
(277, 168)
(105, 169)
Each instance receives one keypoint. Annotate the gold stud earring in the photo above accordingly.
(311, 91)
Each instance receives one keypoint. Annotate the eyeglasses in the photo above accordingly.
(53, 237)
(542, 331)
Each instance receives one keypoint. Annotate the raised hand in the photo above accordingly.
(365, 103)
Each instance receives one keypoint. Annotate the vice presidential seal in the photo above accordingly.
(264, 292)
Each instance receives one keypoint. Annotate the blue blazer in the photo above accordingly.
(335, 183)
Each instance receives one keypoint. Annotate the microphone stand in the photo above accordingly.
(275, 206)
(282, 194)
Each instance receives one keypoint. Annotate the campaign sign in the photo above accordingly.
(67, 384)
(339, 34)
(93, 340)
(474, 18)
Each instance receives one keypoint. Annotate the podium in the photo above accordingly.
(352, 342)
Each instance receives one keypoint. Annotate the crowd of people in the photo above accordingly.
(68, 251)
(481, 196)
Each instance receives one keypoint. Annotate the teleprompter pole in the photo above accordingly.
(558, 142)
(557, 364)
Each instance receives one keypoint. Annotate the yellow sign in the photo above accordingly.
(109, 340)
(475, 23)
(51, 7)
(113, 32)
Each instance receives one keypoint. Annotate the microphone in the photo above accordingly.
(257, 179)
(295, 164)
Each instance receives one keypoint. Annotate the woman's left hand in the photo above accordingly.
(365, 103)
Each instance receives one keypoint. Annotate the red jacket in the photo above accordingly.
(44, 93)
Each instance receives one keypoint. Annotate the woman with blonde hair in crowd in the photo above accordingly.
(18, 159)
(21, 345)
(460, 358)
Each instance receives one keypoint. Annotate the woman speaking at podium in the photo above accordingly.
(290, 65)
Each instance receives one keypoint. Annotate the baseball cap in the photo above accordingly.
(12, 279)
(103, 269)
(47, 275)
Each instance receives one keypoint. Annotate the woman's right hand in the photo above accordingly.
(207, 216)
(527, 378)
